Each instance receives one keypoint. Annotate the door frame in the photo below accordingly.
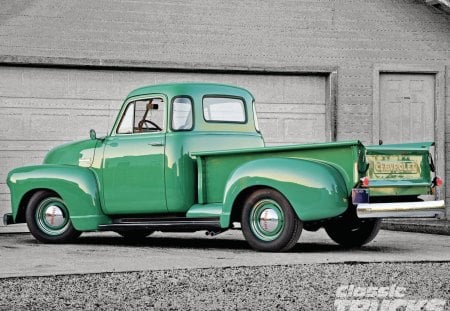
(439, 108)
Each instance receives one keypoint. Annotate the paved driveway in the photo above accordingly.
(22, 255)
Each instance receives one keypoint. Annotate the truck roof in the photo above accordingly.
(193, 89)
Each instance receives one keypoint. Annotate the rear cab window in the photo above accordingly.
(182, 114)
(224, 109)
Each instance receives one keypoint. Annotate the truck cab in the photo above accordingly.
(145, 165)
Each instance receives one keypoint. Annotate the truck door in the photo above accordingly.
(134, 160)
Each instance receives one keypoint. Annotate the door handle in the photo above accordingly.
(156, 144)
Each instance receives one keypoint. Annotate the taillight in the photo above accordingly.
(437, 182)
(365, 181)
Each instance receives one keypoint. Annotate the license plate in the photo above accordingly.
(360, 195)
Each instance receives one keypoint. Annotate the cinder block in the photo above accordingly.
(350, 35)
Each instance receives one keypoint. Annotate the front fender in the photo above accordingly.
(316, 190)
(76, 185)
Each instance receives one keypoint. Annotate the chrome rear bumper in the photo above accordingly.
(401, 210)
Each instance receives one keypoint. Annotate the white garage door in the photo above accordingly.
(44, 107)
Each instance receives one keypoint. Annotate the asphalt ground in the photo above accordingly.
(22, 255)
(190, 271)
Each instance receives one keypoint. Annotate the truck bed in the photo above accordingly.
(215, 167)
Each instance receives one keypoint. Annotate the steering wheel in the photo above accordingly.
(142, 122)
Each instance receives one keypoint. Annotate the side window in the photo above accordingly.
(126, 124)
(143, 116)
(224, 109)
(182, 114)
(255, 117)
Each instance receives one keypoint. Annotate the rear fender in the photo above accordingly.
(315, 190)
(76, 185)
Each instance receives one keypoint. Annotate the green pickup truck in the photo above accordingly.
(189, 156)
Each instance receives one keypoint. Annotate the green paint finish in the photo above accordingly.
(217, 166)
(79, 153)
(315, 190)
(394, 170)
(77, 186)
(133, 174)
(213, 210)
(382, 149)
(182, 178)
(392, 189)
(201, 171)
(197, 91)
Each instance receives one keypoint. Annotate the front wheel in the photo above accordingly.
(48, 219)
(269, 223)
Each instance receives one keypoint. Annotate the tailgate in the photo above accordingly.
(403, 169)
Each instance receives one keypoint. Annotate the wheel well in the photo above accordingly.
(239, 202)
(20, 218)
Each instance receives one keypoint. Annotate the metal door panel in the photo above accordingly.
(406, 107)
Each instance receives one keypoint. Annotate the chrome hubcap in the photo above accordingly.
(267, 220)
(52, 217)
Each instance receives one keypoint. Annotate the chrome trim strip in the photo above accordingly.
(401, 210)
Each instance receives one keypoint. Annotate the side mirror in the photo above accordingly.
(93, 134)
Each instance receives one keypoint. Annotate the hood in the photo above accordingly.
(79, 153)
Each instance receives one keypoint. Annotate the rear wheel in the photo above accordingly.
(269, 223)
(353, 232)
(48, 218)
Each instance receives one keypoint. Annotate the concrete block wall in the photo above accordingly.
(352, 36)
(447, 138)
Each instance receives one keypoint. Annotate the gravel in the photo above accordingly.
(294, 287)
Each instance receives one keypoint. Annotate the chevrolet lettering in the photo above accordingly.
(190, 156)
(401, 167)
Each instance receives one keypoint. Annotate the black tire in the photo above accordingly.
(135, 234)
(48, 218)
(269, 223)
(353, 232)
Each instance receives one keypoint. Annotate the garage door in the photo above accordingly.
(291, 109)
(44, 107)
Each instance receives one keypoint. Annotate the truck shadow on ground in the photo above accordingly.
(222, 244)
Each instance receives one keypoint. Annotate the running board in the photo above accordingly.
(162, 224)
